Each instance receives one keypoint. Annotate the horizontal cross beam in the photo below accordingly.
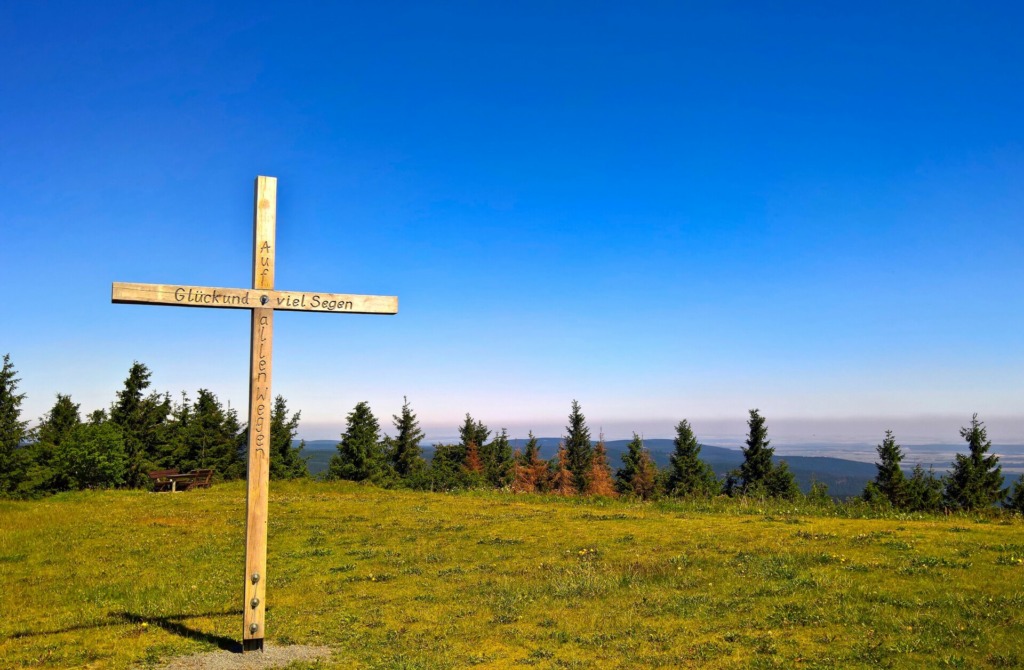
(241, 298)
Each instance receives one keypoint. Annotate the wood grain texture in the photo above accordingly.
(258, 490)
(264, 233)
(180, 295)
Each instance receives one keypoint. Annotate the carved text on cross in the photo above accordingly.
(262, 299)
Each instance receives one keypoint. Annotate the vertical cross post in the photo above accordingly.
(262, 300)
(264, 227)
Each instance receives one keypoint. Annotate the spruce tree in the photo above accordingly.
(359, 455)
(756, 468)
(1015, 501)
(599, 480)
(473, 431)
(577, 447)
(923, 491)
(406, 457)
(53, 430)
(530, 473)
(638, 475)
(689, 475)
(890, 481)
(286, 460)
(12, 429)
(976, 481)
(498, 465)
(562, 481)
(57, 424)
(141, 421)
(93, 456)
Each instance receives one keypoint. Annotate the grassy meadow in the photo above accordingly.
(401, 579)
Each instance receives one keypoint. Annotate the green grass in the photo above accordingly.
(399, 579)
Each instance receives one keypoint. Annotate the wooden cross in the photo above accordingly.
(262, 299)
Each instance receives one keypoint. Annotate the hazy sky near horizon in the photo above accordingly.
(663, 210)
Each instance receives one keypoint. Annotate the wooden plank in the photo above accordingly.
(258, 476)
(240, 298)
(264, 233)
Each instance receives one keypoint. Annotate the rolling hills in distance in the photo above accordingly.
(844, 477)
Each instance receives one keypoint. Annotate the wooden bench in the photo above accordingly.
(172, 480)
(161, 481)
(197, 479)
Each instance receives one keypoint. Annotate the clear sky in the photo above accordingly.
(663, 210)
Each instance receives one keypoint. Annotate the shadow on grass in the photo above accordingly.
(172, 624)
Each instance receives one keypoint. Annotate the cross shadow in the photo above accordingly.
(171, 623)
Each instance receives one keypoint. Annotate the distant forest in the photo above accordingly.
(145, 431)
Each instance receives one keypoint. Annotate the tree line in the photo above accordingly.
(141, 431)
(147, 431)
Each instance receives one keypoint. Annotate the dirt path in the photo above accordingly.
(272, 657)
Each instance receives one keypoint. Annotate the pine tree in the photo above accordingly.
(923, 491)
(406, 457)
(890, 482)
(976, 481)
(563, 481)
(577, 447)
(12, 429)
(286, 461)
(141, 421)
(599, 478)
(1015, 501)
(359, 455)
(688, 474)
(638, 475)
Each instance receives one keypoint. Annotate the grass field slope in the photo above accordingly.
(402, 579)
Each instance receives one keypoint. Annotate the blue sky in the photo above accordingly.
(663, 210)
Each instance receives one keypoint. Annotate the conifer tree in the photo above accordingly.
(93, 456)
(923, 491)
(57, 424)
(890, 482)
(1015, 501)
(54, 428)
(12, 429)
(976, 481)
(599, 479)
(445, 471)
(530, 473)
(757, 455)
(688, 474)
(498, 466)
(406, 457)
(359, 455)
(638, 475)
(286, 460)
(758, 475)
(473, 431)
(563, 481)
(473, 463)
(141, 421)
(577, 447)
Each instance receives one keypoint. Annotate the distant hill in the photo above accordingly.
(843, 477)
